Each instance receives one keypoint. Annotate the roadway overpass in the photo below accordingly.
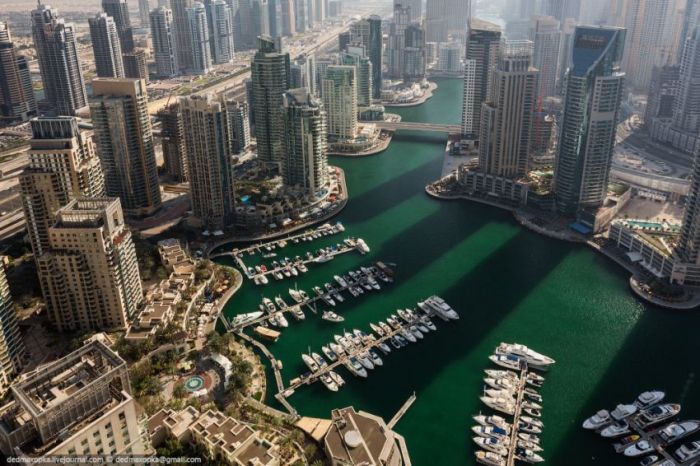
(411, 126)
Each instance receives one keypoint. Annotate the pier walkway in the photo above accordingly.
(522, 383)
(651, 437)
(400, 413)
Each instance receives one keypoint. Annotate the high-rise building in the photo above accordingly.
(414, 53)
(125, 141)
(303, 73)
(220, 18)
(686, 115)
(301, 16)
(17, 102)
(200, 62)
(288, 19)
(322, 64)
(663, 90)
(209, 143)
(106, 46)
(343, 40)
(135, 64)
(12, 349)
(173, 142)
(119, 10)
(594, 86)
(90, 276)
(306, 162)
(76, 405)
(274, 14)
(396, 46)
(563, 9)
(415, 8)
(446, 17)
(482, 49)
(506, 117)
(183, 34)
(449, 57)
(646, 22)
(163, 34)
(368, 33)
(144, 10)
(546, 36)
(355, 56)
(239, 120)
(270, 73)
(63, 165)
(340, 102)
(568, 28)
(688, 247)
(57, 53)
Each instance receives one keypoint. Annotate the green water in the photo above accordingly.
(508, 284)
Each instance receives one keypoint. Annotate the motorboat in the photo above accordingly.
(491, 444)
(624, 442)
(649, 460)
(393, 323)
(377, 329)
(329, 353)
(376, 360)
(649, 398)
(296, 295)
(442, 308)
(304, 295)
(428, 323)
(361, 246)
(241, 319)
(408, 335)
(688, 452)
(336, 378)
(657, 414)
(402, 341)
(508, 361)
(529, 445)
(319, 360)
(422, 328)
(529, 428)
(533, 421)
(295, 272)
(616, 429)
(623, 411)
(529, 437)
(535, 377)
(384, 326)
(532, 394)
(531, 404)
(499, 393)
(500, 384)
(490, 431)
(366, 360)
(328, 381)
(354, 366)
(386, 349)
(337, 349)
(310, 363)
(297, 313)
(416, 333)
(503, 405)
(489, 458)
(405, 316)
(532, 357)
(533, 412)
(302, 267)
(269, 305)
(340, 281)
(355, 339)
(286, 272)
(331, 316)
(493, 420)
(281, 319)
(639, 448)
(273, 320)
(342, 341)
(395, 343)
(499, 374)
(527, 456)
(277, 275)
(280, 303)
(677, 430)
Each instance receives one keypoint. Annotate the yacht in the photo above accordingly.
(302, 267)
(489, 458)
(331, 316)
(344, 342)
(337, 349)
(294, 271)
(623, 411)
(503, 405)
(329, 382)
(405, 315)
(310, 363)
(533, 412)
(528, 456)
(281, 320)
(337, 378)
(355, 367)
(428, 323)
(688, 452)
(658, 413)
(624, 442)
(304, 295)
(508, 361)
(385, 327)
(280, 303)
(422, 328)
(277, 275)
(384, 348)
(376, 360)
(535, 377)
(329, 353)
(362, 246)
(638, 449)
(491, 444)
(529, 445)
(532, 357)
(337, 296)
(269, 305)
(340, 281)
(650, 398)
(262, 279)
(500, 374)
(616, 429)
(394, 324)
(319, 360)
(296, 295)
(496, 421)
(402, 341)
(533, 421)
(499, 393)
(416, 333)
(532, 394)
(376, 329)
(529, 438)
(529, 428)
(323, 258)
(353, 291)
(649, 460)
(490, 431)
(297, 313)
(286, 272)
(678, 430)
(395, 343)
(408, 335)
(531, 404)
(366, 360)
(442, 308)
(501, 384)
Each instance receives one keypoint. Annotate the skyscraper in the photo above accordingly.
(368, 33)
(288, 20)
(506, 117)
(303, 73)
(220, 18)
(414, 53)
(546, 36)
(355, 56)
(90, 276)
(340, 102)
(144, 10)
(239, 119)
(135, 65)
(305, 164)
(17, 100)
(200, 62)
(563, 9)
(397, 42)
(415, 7)
(173, 142)
(686, 114)
(688, 247)
(587, 133)
(12, 348)
(270, 73)
(125, 141)
(119, 10)
(183, 34)
(106, 47)
(163, 34)
(567, 39)
(209, 143)
(482, 49)
(57, 53)
(63, 165)
(446, 17)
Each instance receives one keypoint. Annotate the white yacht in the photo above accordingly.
(508, 361)
(336, 378)
(490, 431)
(598, 420)
(529, 445)
(296, 295)
(376, 329)
(428, 323)
(355, 367)
(329, 382)
(678, 430)
(329, 353)
(688, 452)
(528, 456)
(281, 319)
(241, 319)
(623, 411)
(639, 448)
(362, 246)
(331, 316)
(340, 281)
(616, 429)
(650, 398)
(500, 374)
(503, 405)
(269, 305)
(442, 308)
(491, 444)
(310, 363)
(657, 414)
(297, 313)
(489, 458)
(494, 420)
(532, 357)
(529, 437)
(501, 384)
(280, 303)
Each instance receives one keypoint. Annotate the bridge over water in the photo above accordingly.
(411, 126)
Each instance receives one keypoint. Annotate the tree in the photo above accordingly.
(179, 391)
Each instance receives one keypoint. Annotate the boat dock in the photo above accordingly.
(653, 439)
(400, 413)
(324, 230)
(310, 303)
(522, 383)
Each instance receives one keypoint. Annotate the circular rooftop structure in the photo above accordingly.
(352, 438)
